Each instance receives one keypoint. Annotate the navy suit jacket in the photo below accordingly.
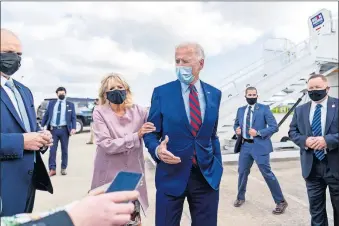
(60, 218)
(300, 129)
(17, 164)
(168, 114)
(263, 121)
(71, 117)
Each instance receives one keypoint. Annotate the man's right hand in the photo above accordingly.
(34, 141)
(104, 209)
(238, 131)
(165, 155)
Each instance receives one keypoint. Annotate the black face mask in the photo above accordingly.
(251, 101)
(61, 96)
(10, 63)
(317, 95)
(116, 96)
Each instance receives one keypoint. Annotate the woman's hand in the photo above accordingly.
(147, 127)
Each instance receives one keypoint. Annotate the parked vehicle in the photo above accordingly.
(83, 111)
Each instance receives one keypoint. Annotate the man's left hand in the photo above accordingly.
(48, 135)
(73, 131)
(319, 143)
(252, 132)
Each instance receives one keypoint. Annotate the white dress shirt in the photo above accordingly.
(10, 94)
(323, 114)
(244, 121)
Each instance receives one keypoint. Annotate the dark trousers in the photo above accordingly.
(321, 177)
(30, 196)
(202, 200)
(59, 134)
(246, 158)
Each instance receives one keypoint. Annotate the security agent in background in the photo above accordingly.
(315, 128)
(254, 125)
(22, 169)
(60, 119)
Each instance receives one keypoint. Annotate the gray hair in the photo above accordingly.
(199, 51)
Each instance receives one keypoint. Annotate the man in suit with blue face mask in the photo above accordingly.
(185, 113)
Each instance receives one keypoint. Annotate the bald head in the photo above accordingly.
(10, 42)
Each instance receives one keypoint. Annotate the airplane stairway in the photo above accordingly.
(275, 79)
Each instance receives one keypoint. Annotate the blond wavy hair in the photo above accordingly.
(104, 88)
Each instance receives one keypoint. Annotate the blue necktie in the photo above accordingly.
(248, 122)
(58, 114)
(21, 105)
(316, 129)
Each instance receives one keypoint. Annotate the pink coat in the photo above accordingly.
(118, 146)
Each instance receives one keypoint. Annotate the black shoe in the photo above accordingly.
(238, 203)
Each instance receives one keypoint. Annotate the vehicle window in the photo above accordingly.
(44, 104)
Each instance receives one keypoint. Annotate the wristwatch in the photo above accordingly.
(258, 133)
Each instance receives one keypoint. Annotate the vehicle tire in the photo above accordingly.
(79, 126)
(284, 139)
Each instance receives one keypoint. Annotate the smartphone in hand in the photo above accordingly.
(125, 181)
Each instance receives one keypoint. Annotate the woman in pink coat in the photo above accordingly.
(119, 126)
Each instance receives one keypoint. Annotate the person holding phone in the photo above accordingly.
(118, 127)
(97, 208)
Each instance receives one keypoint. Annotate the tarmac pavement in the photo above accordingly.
(257, 211)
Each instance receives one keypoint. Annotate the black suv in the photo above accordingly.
(83, 111)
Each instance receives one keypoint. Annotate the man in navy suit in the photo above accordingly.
(185, 114)
(60, 119)
(314, 128)
(255, 124)
(22, 169)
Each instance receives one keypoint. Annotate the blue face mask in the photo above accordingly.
(184, 74)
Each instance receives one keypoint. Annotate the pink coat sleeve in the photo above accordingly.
(109, 144)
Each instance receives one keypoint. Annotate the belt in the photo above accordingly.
(248, 141)
(58, 127)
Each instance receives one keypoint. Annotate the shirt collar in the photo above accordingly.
(62, 101)
(4, 80)
(324, 103)
(252, 106)
(185, 87)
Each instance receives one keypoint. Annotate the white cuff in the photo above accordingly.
(156, 153)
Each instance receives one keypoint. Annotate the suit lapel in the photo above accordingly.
(11, 108)
(331, 109)
(182, 110)
(208, 100)
(255, 112)
(307, 119)
(27, 106)
(242, 114)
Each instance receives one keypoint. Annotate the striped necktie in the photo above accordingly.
(316, 129)
(21, 105)
(195, 114)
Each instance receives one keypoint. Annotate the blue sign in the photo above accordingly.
(317, 20)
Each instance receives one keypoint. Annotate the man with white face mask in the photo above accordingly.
(185, 114)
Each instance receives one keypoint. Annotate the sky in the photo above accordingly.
(75, 44)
